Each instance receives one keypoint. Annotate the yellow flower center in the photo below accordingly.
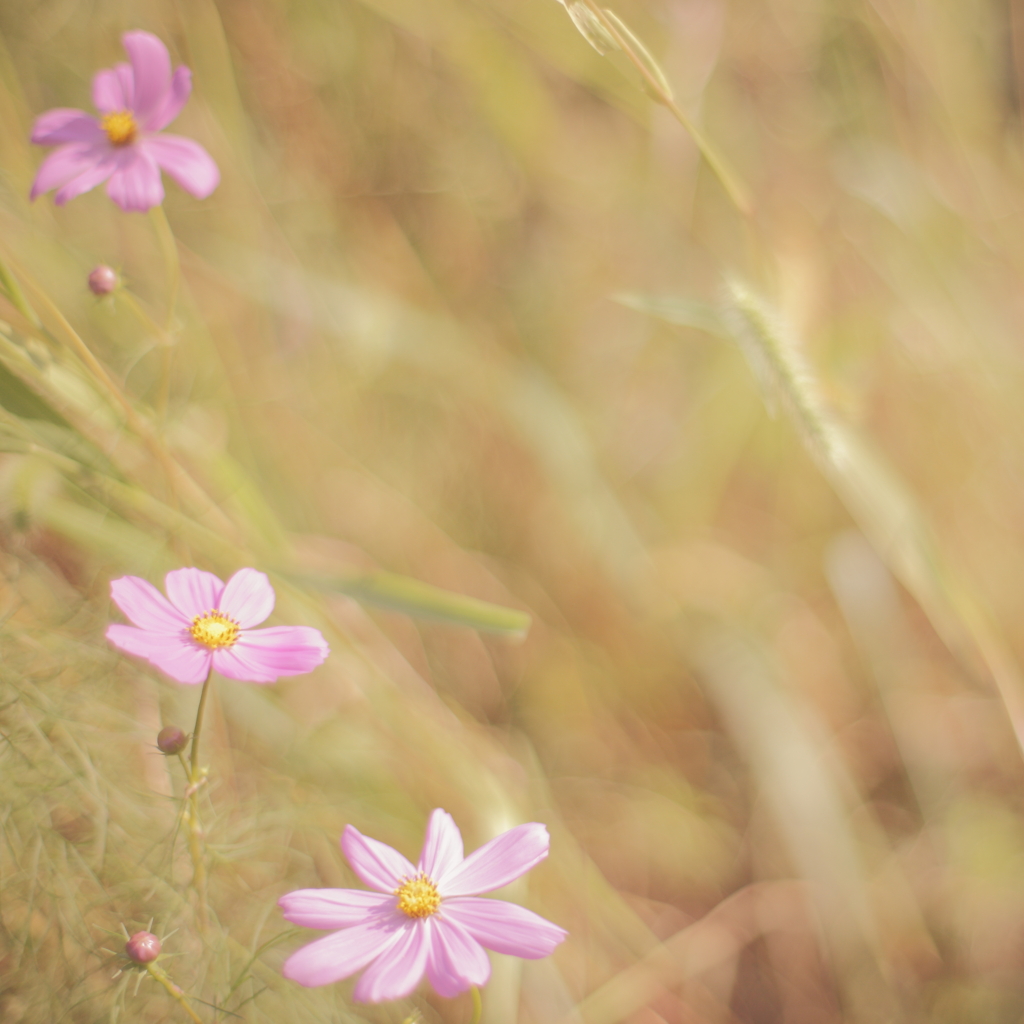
(214, 629)
(120, 127)
(418, 897)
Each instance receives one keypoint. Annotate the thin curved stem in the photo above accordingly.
(196, 779)
(734, 189)
(173, 991)
(169, 248)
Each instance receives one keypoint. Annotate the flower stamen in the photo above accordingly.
(418, 897)
(214, 630)
(120, 127)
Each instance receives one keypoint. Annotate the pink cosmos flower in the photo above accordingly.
(136, 101)
(204, 623)
(423, 918)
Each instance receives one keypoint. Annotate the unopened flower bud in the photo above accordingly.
(171, 740)
(143, 947)
(103, 280)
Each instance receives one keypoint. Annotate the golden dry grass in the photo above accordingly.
(468, 307)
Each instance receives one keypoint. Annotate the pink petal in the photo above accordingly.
(442, 845)
(248, 598)
(151, 68)
(135, 185)
(176, 655)
(193, 592)
(88, 179)
(64, 165)
(375, 863)
(263, 655)
(455, 960)
(177, 96)
(334, 908)
(397, 971)
(498, 862)
(146, 606)
(185, 161)
(337, 956)
(113, 89)
(504, 927)
(66, 125)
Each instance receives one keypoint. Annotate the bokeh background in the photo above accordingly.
(459, 311)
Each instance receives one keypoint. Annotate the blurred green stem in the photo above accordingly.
(478, 1005)
(173, 991)
(169, 249)
(196, 778)
(734, 188)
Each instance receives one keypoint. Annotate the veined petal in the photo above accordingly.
(397, 971)
(185, 161)
(135, 185)
(65, 164)
(504, 927)
(66, 125)
(176, 655)
(113, 89)
(193, 592)
(248, 598)
(146, 606)
(337, 956)
(175, 99)
(455, 960)
(442, 845)
(151, 70)
(334, 908)
(498, 862)
(263, 655)
(232, 663)
(375, 863)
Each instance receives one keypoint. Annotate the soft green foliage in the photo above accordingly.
(457, 355)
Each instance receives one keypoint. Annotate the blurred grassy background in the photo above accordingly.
(781, 787)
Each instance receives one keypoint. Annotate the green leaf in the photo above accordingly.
(421, 600)
(676, 310)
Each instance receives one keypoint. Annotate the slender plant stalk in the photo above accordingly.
(169, 249)
(173, 991)
(736, 191)
(195, 781)
(478, 1005)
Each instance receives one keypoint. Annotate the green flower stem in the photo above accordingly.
(169, 249)
(173, 991)
(195, 829)
(478, 1005)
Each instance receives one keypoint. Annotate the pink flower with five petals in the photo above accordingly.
(122, 147)
(428, 918)
(206, 624)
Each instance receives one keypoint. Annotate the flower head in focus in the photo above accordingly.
(423, 918)
(204, 623)
(122, 147)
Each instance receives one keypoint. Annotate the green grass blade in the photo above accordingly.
(421, 600)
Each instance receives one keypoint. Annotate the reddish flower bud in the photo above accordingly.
(143, 947)
(171, 740)
(103, 280)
